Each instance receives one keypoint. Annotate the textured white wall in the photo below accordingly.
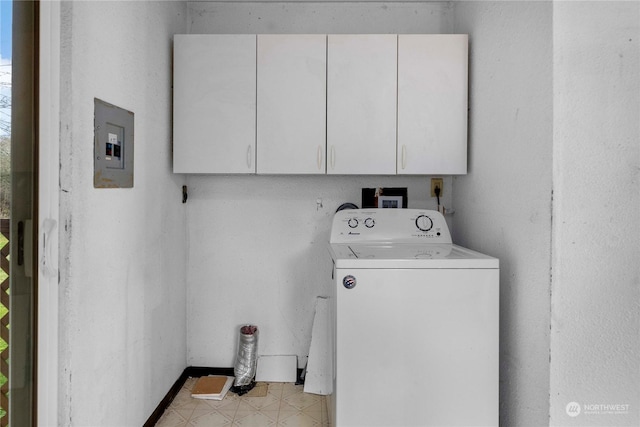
(122, 287)
(319, 17)
(595, 322)
(258, 254)
(257, 245)
(503, 206)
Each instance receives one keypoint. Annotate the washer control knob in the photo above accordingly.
(353, 222)
(349, 282)
(424, 223)
(369, 222)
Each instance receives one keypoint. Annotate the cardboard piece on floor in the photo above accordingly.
(277, 369)
(260, 390)
(212, 387)
(319, 375)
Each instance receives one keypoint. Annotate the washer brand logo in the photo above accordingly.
(351, 233)
(573, 409)
(349, 281)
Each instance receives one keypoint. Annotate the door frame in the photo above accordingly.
(48, 211)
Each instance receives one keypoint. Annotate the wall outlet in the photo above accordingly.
(436, 182)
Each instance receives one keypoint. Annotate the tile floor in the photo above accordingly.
(284, 405)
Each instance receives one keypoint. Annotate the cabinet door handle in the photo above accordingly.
(333, 157)
(404, 156)
(319, 157)
(249, 156)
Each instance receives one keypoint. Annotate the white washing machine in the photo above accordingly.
(416, 323)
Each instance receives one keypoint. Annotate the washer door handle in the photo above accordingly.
(349, 282)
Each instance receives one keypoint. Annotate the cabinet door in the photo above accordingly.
(361, 104)
(292, 89)
(432, 104)
(214, 103)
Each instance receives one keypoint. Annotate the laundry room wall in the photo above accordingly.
(554, 107)
(595, 318)
(503, 205)
(122, 268)
(258, 244)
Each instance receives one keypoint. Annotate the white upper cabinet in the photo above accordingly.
(361, 104)
(291, 104)
(214, 104)
(432, 104)
(381, 104)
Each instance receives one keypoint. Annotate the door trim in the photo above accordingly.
(48, 211)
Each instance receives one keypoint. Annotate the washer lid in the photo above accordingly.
(408, 255)
(407, 251)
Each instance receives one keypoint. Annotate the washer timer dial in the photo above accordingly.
(353, 223)
(369, 222)
(424, 223)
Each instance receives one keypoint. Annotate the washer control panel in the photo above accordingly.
(389, 225)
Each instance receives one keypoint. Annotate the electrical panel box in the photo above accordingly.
(113, 146)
